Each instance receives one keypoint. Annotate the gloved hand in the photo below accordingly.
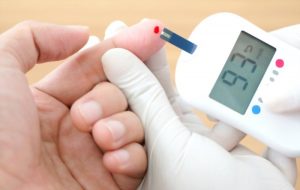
(284, 94)
(182, 152)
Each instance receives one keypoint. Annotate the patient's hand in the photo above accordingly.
(40, 147)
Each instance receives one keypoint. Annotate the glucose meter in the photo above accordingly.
(226, 75)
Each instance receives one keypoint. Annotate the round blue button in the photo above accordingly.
(256, 109)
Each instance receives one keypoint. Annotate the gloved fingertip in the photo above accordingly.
(113, 59)
(279, 101)
(145, 20)
(93, 40)
(114, 28)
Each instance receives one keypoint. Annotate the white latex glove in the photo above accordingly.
(284, 94)
(182, 153)
(93, 40)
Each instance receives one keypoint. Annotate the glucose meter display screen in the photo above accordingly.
(242, 72)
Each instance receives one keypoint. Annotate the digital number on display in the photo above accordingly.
(242, 72)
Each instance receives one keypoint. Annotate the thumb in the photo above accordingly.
(147, 99)
(33, 42)
(21, 48)
(284, 94)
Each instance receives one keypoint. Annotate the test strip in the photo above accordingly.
(178, 41)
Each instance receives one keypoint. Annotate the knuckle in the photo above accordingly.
(20, 39)
(136, 123)
(113, 90)
(134, 117)
(26, 25)
(131, 114)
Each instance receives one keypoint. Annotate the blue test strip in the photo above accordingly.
(178, 41)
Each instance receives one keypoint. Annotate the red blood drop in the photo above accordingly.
(156, 29)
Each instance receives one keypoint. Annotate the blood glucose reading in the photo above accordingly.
(242, 72)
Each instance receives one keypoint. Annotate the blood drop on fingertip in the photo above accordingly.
(141, 38)
(156, 29)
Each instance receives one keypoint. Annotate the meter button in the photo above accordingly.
(275, 72)
(256, 109)
(279, 63)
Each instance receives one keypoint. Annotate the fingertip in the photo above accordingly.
(92, 41)
(144, 34)
(281, 97)
(114, 28)
(31, 42)
(130, 160)
(112, 60)
(67, 39)
(117, 131)
(117, 160)
(107, 133)
(78, 120)
(271, 101)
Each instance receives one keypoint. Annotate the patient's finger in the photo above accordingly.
(102, 101)
(80, 73)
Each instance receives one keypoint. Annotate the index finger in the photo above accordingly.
(81, 72)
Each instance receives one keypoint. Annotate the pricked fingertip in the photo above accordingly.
(142, 38)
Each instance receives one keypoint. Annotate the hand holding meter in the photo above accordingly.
(228, 72)
(183, 153)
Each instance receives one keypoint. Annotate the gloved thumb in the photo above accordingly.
(147, 99)
(283, 95)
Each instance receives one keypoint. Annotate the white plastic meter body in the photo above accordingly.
(226, 75)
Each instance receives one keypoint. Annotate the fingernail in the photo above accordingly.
(90, 111)
(122, 156)
(116, 129)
